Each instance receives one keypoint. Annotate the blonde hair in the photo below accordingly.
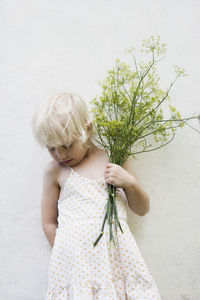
(60, 119)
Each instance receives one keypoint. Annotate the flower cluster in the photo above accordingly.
(128, 113)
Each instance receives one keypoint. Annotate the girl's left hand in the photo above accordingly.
(117, 176)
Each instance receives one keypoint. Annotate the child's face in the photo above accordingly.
(69, 156)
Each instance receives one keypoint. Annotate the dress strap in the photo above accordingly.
(86, 178)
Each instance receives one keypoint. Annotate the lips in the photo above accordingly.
(67, 161)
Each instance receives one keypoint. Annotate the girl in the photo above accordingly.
(75, 191)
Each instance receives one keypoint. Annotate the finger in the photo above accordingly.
(109, 165)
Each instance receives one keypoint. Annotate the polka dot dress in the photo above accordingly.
(80, 271)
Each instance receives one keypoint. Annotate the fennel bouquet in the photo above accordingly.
(128, 117)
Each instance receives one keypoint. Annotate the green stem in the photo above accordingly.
(110, 209)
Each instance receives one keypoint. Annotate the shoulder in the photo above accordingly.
(52, 170)
(52, 167)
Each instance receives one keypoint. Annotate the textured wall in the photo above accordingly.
(51, 46)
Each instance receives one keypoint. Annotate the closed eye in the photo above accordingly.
(64, 146)
(67, 147)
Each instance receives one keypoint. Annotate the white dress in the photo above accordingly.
(80, 271)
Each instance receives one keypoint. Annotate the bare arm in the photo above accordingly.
(138, 200)
(124, 177)
(50, 195)
(50, 232)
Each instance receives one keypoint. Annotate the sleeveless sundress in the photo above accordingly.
(80, 271)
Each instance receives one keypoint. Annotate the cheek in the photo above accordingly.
(54, 156)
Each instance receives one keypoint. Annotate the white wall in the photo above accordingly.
(51, 46)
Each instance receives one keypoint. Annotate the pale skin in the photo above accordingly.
(84, 160)
(125, 178)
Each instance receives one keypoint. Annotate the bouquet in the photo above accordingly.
(128, 117)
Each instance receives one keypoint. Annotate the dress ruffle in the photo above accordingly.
(129, 289)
